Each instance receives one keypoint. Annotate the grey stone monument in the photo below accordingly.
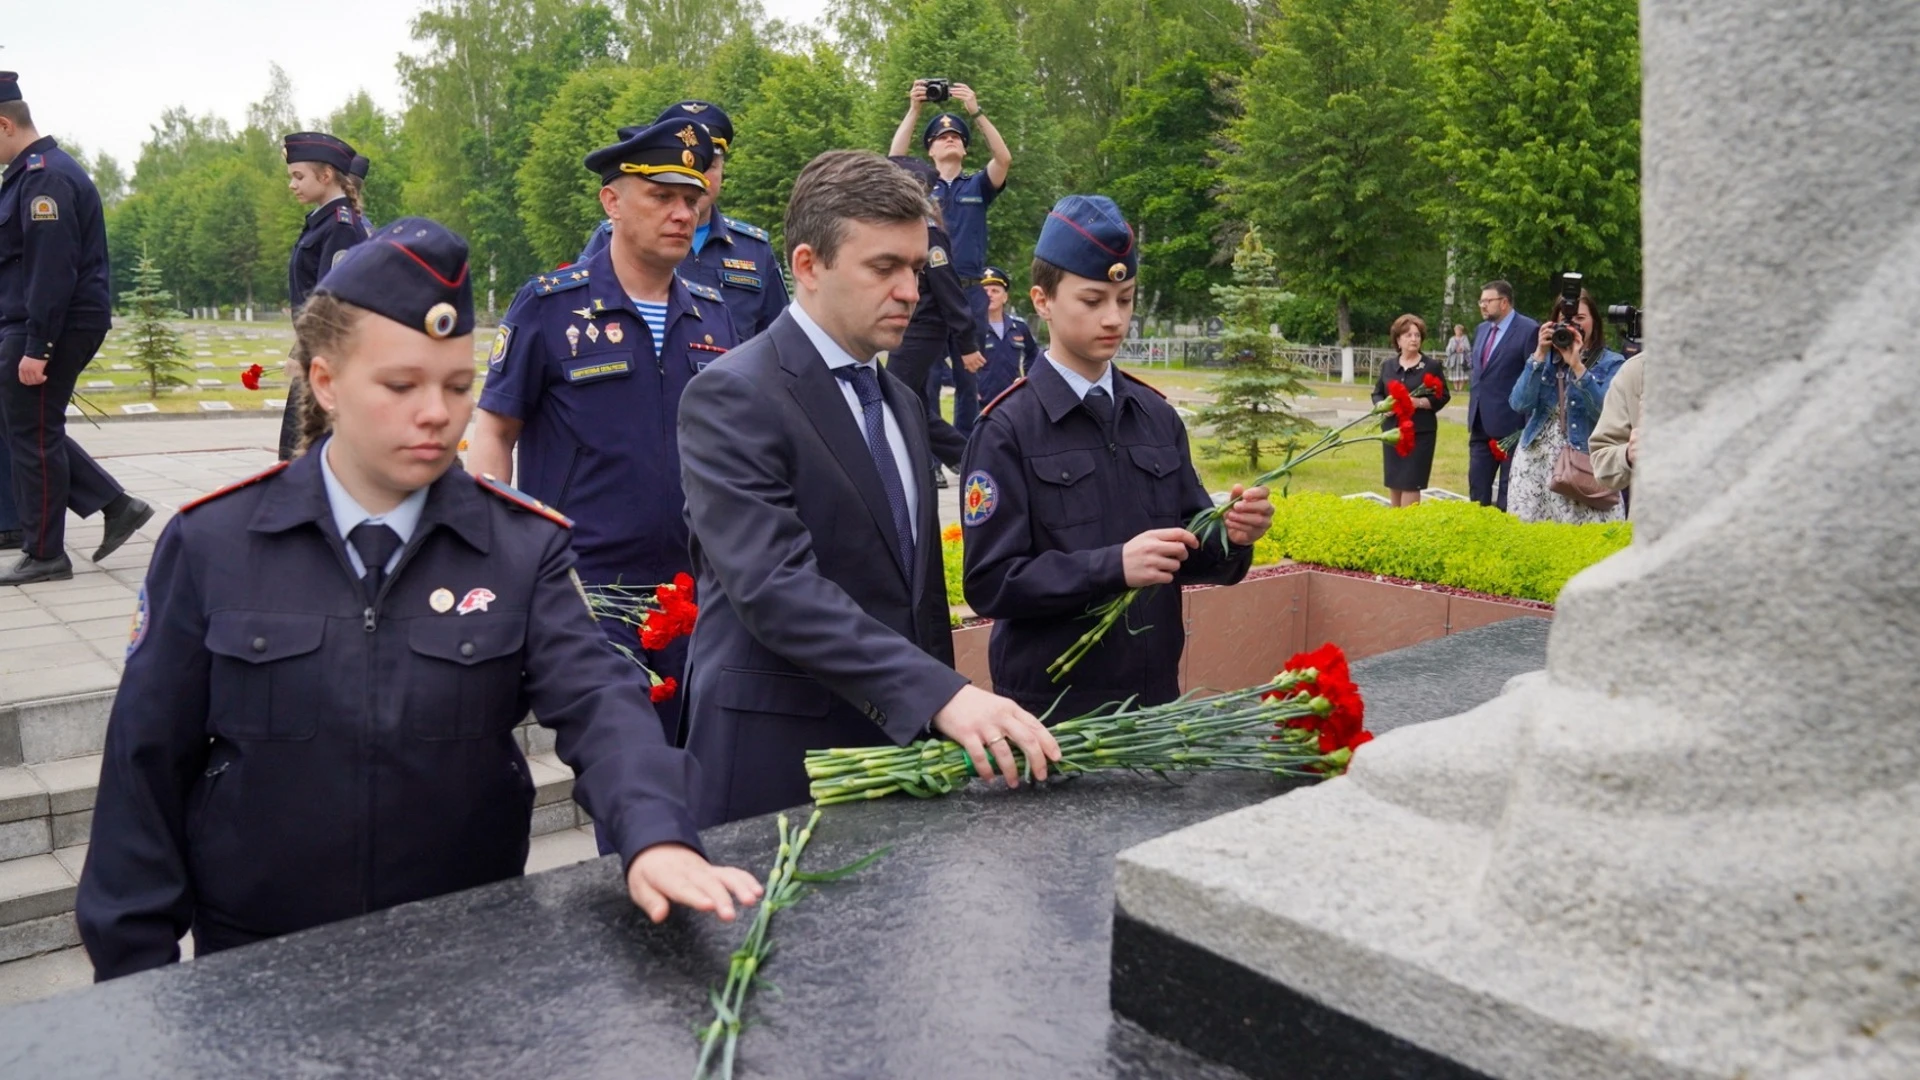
(1690, 848)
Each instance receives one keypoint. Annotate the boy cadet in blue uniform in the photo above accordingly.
(54, 313)
(1006, 340)
(322, 172)
(1077, 484)
(328, 661)
(588, 367)
(728, 254)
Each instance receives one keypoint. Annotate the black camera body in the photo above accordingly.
(1627, 318)
(939, 89)
(1565, 309)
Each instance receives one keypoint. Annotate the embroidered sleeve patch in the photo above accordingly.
(43, 208)
(936, 256)
(979, 498)
(138, 633)
(498, 357)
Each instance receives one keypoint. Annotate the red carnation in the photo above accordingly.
(676, 615)
(1433, 384)
(1405, 445)
(250, 378)
(662, 690)
(1499, 452)
(1344, 725)
(1402, 398)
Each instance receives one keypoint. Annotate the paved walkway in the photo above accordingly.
(69, 637)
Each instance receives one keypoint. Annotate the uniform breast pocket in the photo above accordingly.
(269, 680)
(1160, 478)
(464, 675)
(1065, 491)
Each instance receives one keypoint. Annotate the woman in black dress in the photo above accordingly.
(1409, 470)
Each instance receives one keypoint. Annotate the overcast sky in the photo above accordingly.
(100, 72)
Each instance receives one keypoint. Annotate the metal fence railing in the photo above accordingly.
(1322, 360)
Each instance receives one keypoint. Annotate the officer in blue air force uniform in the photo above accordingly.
(316, 717)
(575, 380)
(1005, 339)
(728, 255)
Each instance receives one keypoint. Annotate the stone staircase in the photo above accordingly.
(49, 772)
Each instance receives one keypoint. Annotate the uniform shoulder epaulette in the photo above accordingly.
(1140, 380)
(754, 231)
(344, 214)
(704, 292)
(36, 161)
(1017, 384)
(523, 500)
(559, 280)
(274, 470)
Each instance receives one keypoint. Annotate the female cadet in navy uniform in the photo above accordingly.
(324, 173)
(1078, 484)
(328, 661)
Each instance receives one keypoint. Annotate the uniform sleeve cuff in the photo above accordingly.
(650, 822)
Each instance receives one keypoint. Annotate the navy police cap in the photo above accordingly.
(995, 276)
(322, 148)
(944, 124)
(9, 86)
(707, 115)
(414, 272)
(674, 152)
(1086, 235)
(919, 169)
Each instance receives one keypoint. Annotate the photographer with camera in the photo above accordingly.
(1560, 392)
(963, 198)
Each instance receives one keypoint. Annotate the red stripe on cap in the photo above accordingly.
(1071, 224)
(454, 284)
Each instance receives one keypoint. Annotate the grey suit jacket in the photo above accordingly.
(812, 633)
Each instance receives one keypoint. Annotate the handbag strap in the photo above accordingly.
(1561, 381)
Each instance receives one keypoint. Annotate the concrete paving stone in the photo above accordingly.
(112, 651)
(36, 936)
(28, 637)
(14, 600)
(72, 858)
(80, 592)
(70, 783)
(10, 754)
(102, 629)
(29, 836)
(121, 606)
(36, 658)
(31, 615)
(36, 977)
(22, 795)
(31, 887)
(72, 829)
(559, 849)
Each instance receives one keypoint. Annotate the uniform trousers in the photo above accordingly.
(51, 473)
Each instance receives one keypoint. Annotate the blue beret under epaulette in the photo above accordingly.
(704, 292)
(754, 231)
(560, 280)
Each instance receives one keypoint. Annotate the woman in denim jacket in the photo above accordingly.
(1584, 370)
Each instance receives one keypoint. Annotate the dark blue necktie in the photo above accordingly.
(867, 387)
(375, 544)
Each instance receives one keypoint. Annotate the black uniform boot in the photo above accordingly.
(122, 520)
(29, 570)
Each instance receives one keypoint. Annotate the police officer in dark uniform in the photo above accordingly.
(329, 659)
(963, 198)
(54, 312)
(1006, 340)
(728, 255)
(324, 172)
(942, 326)
(1077, 485)
(577, 382)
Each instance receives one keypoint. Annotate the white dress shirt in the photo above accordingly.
(836, 358)
(347, 514)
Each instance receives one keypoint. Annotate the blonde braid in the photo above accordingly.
(324, 327)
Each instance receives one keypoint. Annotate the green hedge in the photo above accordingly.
(1460, 544)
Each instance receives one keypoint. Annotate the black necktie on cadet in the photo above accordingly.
(375, 544)
(867, 388)
(1100, 404)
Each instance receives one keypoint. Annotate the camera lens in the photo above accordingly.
(1562, 336)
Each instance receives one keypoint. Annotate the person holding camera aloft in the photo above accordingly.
(1560, 392)
(963, 198)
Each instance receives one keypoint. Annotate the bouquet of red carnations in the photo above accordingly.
(659, 615)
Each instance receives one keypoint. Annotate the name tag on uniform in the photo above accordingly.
(590, 371)
(738, 280)
(975, 199)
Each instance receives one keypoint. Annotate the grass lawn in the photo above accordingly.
(1343, 472)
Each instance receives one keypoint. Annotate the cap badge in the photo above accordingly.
(440, 319)
(687, 137)
(946, 122)
(694, 107)
(1117, 272)
(686, 158)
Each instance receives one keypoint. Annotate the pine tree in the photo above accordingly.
(156, 351)
(1251, 411)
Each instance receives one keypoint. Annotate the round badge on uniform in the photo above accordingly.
(687, 158)
(441, 601)
(440, 319)
(979, 498)
(1117, 272)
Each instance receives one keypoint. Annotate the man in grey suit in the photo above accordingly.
(823, 603)
(1501, 346)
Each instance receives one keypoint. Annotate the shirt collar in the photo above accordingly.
(1501, 326)
(1078, 383)
(823, 343)
(347, 513)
